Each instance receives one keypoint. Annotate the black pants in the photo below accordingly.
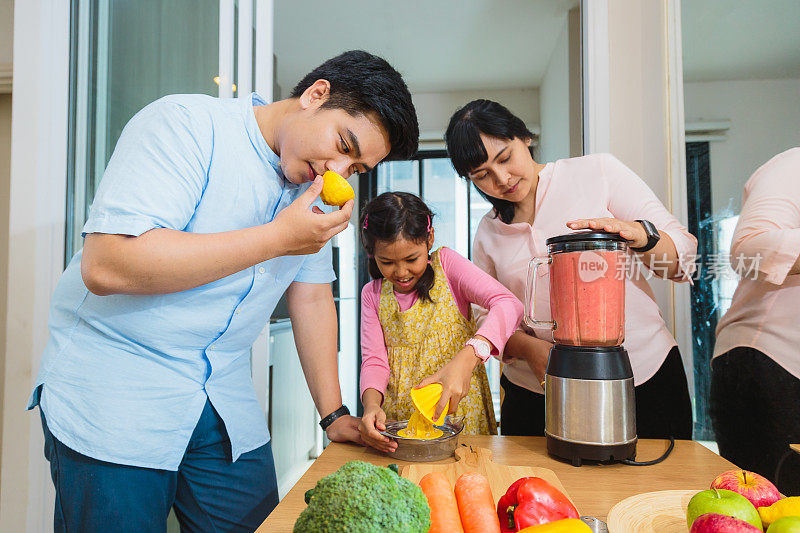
(755, 410)
(663, 406)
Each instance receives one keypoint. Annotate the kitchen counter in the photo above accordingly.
(593, 488)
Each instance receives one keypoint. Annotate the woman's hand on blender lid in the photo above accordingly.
(633, 232)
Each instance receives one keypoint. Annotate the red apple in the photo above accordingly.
(755, 487)
(720, 523)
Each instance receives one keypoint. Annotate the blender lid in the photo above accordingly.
(579, 236)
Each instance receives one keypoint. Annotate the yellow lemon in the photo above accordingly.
(785, 507)
(335, 189)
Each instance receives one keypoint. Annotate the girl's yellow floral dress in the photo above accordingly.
(420, 340)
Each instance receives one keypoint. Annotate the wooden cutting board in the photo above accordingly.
(474, 459)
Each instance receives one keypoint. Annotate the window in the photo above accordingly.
(431, 176)
(123, 57)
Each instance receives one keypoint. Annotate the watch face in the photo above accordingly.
(650, 229)
(480, 347)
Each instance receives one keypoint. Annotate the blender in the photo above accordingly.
(589, 392)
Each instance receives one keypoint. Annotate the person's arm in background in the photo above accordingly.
(767, 236)
(630, 199)
(520, 345)
(314, 324)
(374, 371)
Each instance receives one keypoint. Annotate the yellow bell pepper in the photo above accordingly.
(568, 525)
(786, 507)
(335, 189)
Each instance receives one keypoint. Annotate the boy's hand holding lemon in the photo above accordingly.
(303, 228)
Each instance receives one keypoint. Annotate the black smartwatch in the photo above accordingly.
(328, 420)
(652, 236)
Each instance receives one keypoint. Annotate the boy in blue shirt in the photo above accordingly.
(207, 213)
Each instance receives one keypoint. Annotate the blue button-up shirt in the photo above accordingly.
(125, 378)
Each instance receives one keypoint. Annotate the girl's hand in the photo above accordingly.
(633, 232)
(373, 421)
(454, 378)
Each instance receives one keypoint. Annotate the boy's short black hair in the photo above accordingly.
(361, 83)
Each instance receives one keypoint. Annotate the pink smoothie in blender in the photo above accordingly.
(587, 289)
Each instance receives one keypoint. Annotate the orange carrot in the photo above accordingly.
(476, 504)
(444, 511)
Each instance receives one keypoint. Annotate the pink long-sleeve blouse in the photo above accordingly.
(766, 245)
(592, 186)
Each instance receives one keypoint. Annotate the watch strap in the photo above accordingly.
(328, 420)
(652, 237)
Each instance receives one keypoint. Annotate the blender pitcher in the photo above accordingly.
(587, 288)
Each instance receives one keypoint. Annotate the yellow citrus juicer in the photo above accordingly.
(425, 400)
(335, 189)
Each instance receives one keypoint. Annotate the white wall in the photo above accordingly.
(435, 108)
(6, 34)
(642, 126)
(35, 249)
(6, 37)
(554, 102)
(6, 44)
(764, 120)
(638, 132)
(5, 170)
(560, 95)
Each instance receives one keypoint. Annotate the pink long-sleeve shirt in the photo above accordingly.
(764, 311)
(468, 284)
(592, 186)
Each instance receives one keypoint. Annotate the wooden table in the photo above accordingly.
(593, 488)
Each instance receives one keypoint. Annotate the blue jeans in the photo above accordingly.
(209, 492)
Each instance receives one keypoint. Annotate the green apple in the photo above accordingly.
(787, 524)
(722, 501)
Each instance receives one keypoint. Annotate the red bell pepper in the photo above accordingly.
(531, 501)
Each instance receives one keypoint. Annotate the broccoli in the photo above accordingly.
(361, 497)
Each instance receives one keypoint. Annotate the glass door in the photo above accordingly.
(126, 54)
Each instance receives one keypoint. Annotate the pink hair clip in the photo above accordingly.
(366, 218)
(429, 223)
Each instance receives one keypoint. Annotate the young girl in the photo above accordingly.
(416, 321)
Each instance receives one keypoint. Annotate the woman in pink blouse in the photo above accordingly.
(534, 201)
(755, 383)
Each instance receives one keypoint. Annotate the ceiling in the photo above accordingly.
(740, 39)
(447, 45)
(436, 45)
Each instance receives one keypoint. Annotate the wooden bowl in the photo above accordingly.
(652, 512)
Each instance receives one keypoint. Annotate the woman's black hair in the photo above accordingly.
(466, 149)
(393, 215)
